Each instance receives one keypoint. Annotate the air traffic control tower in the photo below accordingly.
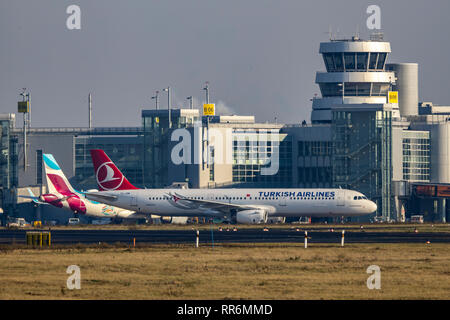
(355, 74)
(363, 120)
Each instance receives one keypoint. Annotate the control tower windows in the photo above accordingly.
(338, 63)
(357, 89)
(331, 89)
(373, 60)
(381, 60)
(329, 63)
(352, 89)
(349, 58)
(380, 89)
(333, 62)
(354, 61)
(361, 60)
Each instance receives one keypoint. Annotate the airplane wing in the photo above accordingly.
(218, 206)
(99, 197)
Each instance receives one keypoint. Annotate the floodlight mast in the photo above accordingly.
(155, 97)
(25, 98)
(190, 102)
(168, 105)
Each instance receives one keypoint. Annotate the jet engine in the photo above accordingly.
(251, 216)
(49, 197)
(174, 220)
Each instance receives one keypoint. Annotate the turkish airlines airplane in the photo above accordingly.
(63, 195)
(251, 206)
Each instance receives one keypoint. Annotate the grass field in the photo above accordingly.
(251, 271)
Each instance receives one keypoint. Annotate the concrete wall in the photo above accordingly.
(407, 85)
(440, 153)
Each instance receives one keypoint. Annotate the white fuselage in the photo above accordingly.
(276, 202)
(83, 206)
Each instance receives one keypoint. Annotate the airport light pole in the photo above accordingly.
(155, 97)
(168, 105)
(206, 88)
(25, 111)
(90, 110)
(190, 101)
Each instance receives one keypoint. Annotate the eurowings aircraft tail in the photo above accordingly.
(108, 176)
(56, 180)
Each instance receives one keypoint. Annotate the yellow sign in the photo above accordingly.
(23, 106)
(209, 109)
(393, 97)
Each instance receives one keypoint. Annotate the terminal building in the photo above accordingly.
(394, 149)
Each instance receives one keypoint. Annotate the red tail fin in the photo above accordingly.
(108, 176)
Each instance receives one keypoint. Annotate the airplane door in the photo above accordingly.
(133, 201)
(282, 202)
(340, 198)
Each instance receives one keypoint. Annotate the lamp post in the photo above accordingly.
(190, 101)
(168, 105)
(155, 97)
(206, 88)
(26, 111)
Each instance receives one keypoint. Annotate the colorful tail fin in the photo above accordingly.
(108, 176)
(56, 180)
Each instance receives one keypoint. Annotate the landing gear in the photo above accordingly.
(116, 220)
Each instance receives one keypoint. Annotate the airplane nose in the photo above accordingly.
(372, 206)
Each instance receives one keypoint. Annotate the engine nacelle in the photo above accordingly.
(174, 220)
(276, 219)
(52, 199)
(49, 197)
(251, 216)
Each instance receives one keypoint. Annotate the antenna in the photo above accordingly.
(90, 110)
(330, 33)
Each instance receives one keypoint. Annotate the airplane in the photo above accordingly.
(63, 195)
(249, 206)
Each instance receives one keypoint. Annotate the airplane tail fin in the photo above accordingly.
(108, 176)
(56, 180)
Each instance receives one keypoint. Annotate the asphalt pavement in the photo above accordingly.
(253, 235)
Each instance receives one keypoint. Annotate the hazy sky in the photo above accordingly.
(259, 56)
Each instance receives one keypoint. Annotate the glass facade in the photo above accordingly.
(156, 138)
(125, 152)
(252, 153)
(351, 89)
(314, 164)
(362, 151)
(354, 61)
(8, 157)
(416, 155)
(8, 166)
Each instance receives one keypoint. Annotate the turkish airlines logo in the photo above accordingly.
(106, 179)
